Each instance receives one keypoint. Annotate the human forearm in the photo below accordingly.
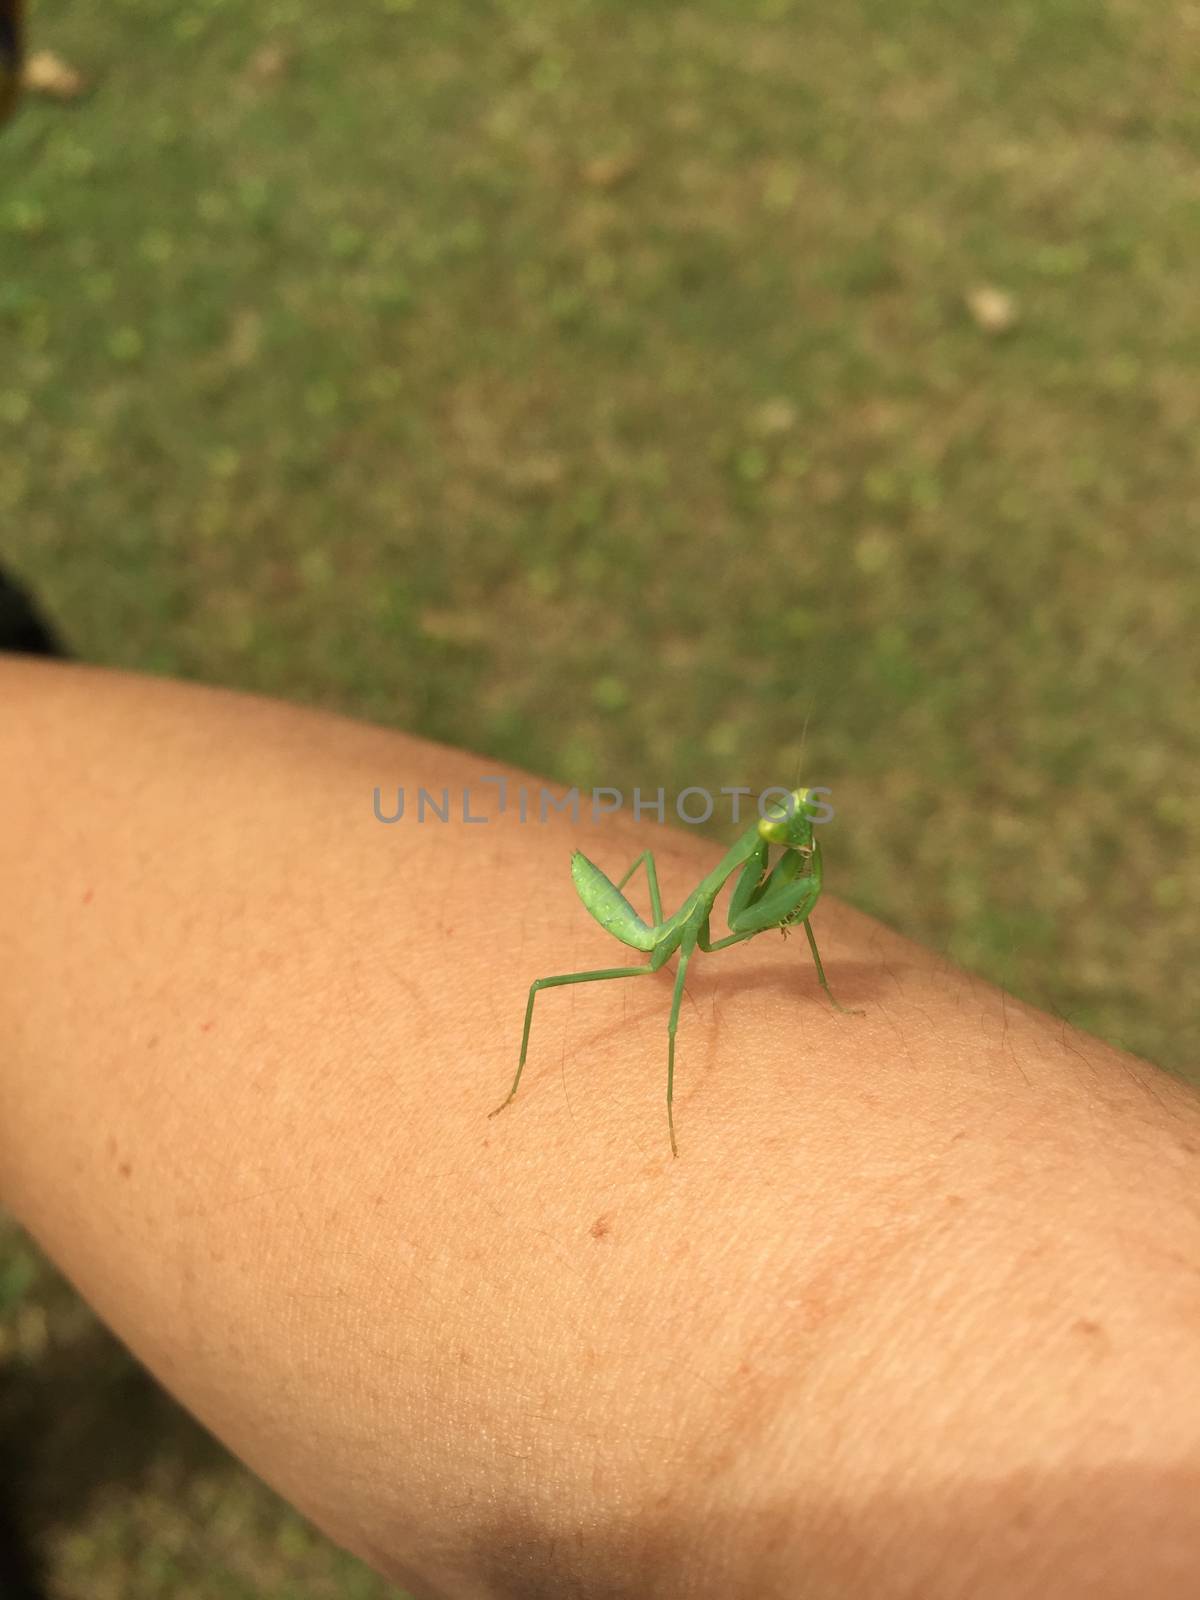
(892, 1302)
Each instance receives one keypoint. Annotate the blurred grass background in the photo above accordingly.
(604, 387)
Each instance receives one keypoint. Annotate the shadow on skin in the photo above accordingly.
(1111, 1533)
(854, 983)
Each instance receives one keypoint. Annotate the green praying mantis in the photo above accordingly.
(763, 898)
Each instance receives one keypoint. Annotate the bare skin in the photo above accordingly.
(914, 1314)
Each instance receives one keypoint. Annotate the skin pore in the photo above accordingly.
(914, 1314)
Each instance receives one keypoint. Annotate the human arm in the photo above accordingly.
(915, 1311)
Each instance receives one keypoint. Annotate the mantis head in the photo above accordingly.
(788, 823)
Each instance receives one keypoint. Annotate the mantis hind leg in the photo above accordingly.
(553, 983)
(849, 1011)
(684, 957)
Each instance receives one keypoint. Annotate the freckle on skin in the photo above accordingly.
(600, 1227)
(207, 1027)
(88, 896)
(151, 1041)
(1086, 1326)
(125, 1168)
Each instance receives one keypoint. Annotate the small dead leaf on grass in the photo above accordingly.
(49, 75)
(774, 417)
(994, 310)
(609, 172)
(270, 63)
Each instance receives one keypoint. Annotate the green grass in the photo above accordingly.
(365, 385)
